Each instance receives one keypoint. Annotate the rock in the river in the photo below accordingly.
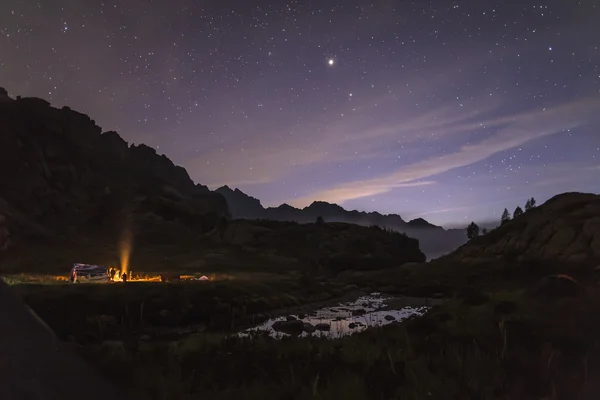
(308, 328)
(323, 327)
(290, 318)
(359, 311)
(352, 325)
(294, 327)
(389, 318)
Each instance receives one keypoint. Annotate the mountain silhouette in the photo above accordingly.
(434, 240)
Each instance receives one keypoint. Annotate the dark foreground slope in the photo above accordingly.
(434, 240)
(35, 365)
(566, 228)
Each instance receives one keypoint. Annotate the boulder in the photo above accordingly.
(292, 327)
(323, 327)
(308, 328)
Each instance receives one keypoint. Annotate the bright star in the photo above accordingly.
(331, 61)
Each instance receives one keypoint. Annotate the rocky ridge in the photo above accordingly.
(565, 228)
(433, 240)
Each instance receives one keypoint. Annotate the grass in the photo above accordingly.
(492, 339)
(510, 346)
(141, 308)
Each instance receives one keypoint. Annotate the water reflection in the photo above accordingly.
(343, 319)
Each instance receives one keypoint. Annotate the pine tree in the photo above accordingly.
(472, 230)
(518, 211)
(505, 216)
(528, 205)
(484, 231)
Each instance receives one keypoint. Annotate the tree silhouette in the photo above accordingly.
(320, 220)
(472, 230)
(484, 231)
(518, 211)
(530, 204)
(505, 216)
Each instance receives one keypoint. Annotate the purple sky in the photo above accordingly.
(450, 110)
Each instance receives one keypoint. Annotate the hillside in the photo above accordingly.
(75, 192)
(433, 240)
(565, 228)
(330, 247)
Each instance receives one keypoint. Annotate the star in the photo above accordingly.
(453, 89)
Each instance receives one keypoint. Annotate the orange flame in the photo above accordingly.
(125, 247)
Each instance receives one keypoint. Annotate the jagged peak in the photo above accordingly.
(421, 222)
(286, 206)
(322, 204)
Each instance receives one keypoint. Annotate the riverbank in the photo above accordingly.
(509, 345)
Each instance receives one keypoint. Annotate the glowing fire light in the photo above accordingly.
(125, 246)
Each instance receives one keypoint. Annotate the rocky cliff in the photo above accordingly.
(433, 240)
(63, 177)
(565, 228)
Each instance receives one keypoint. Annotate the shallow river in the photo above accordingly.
(342, 319)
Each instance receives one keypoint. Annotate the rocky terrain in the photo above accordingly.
(565, 228)
(434, 240)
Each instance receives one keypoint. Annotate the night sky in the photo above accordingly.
(449, 110)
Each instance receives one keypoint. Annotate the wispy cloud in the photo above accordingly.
(370, 121)
(513, 131)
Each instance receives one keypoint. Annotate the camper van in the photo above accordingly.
(81, 273)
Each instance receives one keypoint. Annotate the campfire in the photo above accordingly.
(117, 275)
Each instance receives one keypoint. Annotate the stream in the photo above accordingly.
(343, 319)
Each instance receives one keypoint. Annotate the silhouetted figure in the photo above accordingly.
(124, 277)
